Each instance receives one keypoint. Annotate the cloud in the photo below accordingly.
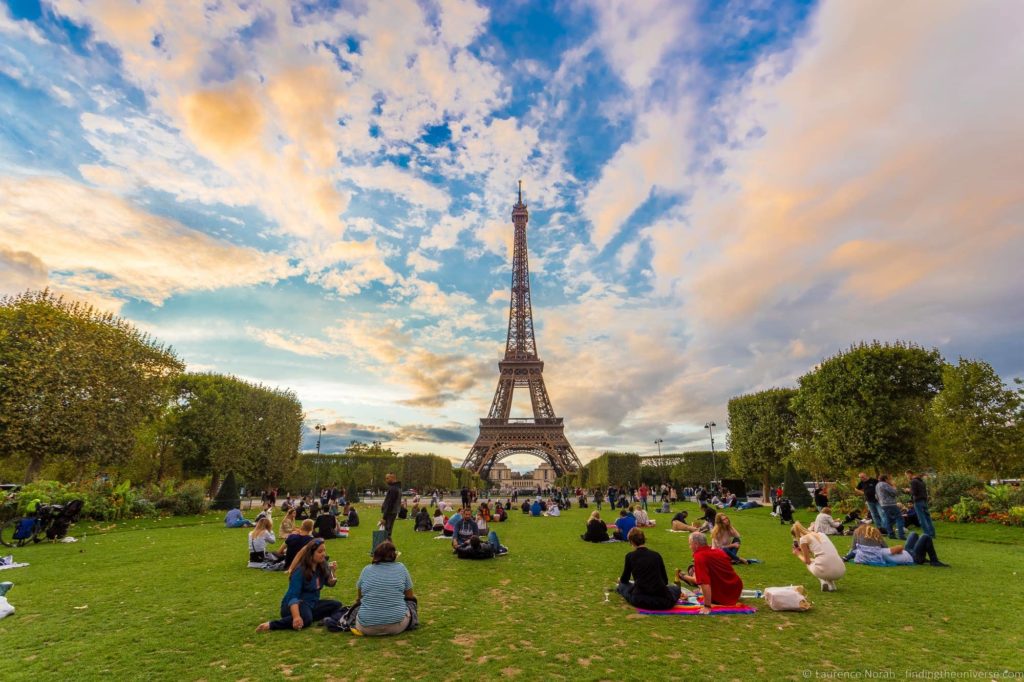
(19, 271)
(92, 241)
(636, 36)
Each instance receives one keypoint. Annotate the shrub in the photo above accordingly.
(190, 499)
(142, 507)
(227, 496)
(1015, 517)
(966, 510)
(947, 489)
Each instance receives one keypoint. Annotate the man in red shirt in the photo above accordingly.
(713, 574)
(644, 492)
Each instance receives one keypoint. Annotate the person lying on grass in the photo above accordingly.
(482, 549)
(869, 547)
(820, 556)
(679, 522)
(597, 530)
(713, 574)
(725, 537)
(302, 605)
(650, 588)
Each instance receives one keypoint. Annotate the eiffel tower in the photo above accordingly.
(543, 435)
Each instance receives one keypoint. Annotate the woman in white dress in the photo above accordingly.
(820, 556)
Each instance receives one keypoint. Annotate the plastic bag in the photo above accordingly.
(5, 608)
(791, 598)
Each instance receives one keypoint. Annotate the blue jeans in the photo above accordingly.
(924, 517)
(321, 609)
(893, 516)
(876, 515)
(921, 548)
(733, 553)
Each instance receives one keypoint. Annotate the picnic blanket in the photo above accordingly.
(686, 607)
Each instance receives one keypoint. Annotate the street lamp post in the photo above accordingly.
(658, 443)
(710, 426)
(320, 428)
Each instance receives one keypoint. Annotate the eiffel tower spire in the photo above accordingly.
(543, 435)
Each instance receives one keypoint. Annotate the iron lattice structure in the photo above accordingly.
(543, 435)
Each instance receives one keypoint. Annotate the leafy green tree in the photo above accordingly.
(976, 421)
(75, 383)
(700, 467)
(867, 408)
(761, 433)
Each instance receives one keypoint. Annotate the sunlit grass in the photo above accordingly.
(172, 599)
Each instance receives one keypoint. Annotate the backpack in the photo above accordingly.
(25, 529)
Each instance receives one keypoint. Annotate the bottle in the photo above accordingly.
(752, 594)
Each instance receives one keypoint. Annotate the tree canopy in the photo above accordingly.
(762, 428)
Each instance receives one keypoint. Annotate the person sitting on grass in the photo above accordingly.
(535, 508)
(294, 543)
(642, 519)
(708, 517)
(597, 530)
(423, 523)
(500, 515)
(713, 574)
(463, 530)
(679, 522)
(326, 526)
(725, 537)
(307, 575)
(482, 549)
(383, 590)
(665, 507)
(288, 523)
(553, 510)
(352, 515)
(481, 521)
(258, 539)
(438, 521)
(234, 519)
(650, 588)
(525, 506)
(820, 556)
(825, 524)
(625, 523)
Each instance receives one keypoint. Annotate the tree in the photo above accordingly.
(867, 408)
(227, 497)
(700, 467)
(794, 488)
(761, 433)
(614, 468)
(75, 383)
(975, 421)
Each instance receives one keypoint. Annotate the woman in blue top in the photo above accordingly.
(302, 605)
(382, 588)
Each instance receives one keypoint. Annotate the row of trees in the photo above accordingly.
(82, 392)
(881, 407)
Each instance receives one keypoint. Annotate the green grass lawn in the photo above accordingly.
(172, 599)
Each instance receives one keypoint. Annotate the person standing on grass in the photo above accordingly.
(302, 605)
(392, 504)
(919, 494)
(650, 588)
(644, 492)
(888, 498)
(866, 487)
(713, 574)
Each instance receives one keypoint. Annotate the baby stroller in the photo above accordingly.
(785, 511)
(62, 517)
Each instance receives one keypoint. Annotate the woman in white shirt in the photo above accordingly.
(825, 524)
(820, 556)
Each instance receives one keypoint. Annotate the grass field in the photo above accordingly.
(172, 599)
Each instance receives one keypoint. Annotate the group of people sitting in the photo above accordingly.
(541, 507)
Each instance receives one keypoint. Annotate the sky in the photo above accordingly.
(317, 195)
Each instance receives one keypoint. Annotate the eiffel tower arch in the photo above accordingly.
(542, 435)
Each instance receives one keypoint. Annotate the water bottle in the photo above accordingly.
(752, 594)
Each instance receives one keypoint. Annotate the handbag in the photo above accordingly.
(379, 536)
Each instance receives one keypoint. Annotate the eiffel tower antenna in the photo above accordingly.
(543, 435)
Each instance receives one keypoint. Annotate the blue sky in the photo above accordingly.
(317, 195)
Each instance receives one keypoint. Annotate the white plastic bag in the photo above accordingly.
(5, 608)
(791, 598)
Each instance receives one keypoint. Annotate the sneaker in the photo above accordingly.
(355, 632)
(753, 561)
(5, 587)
